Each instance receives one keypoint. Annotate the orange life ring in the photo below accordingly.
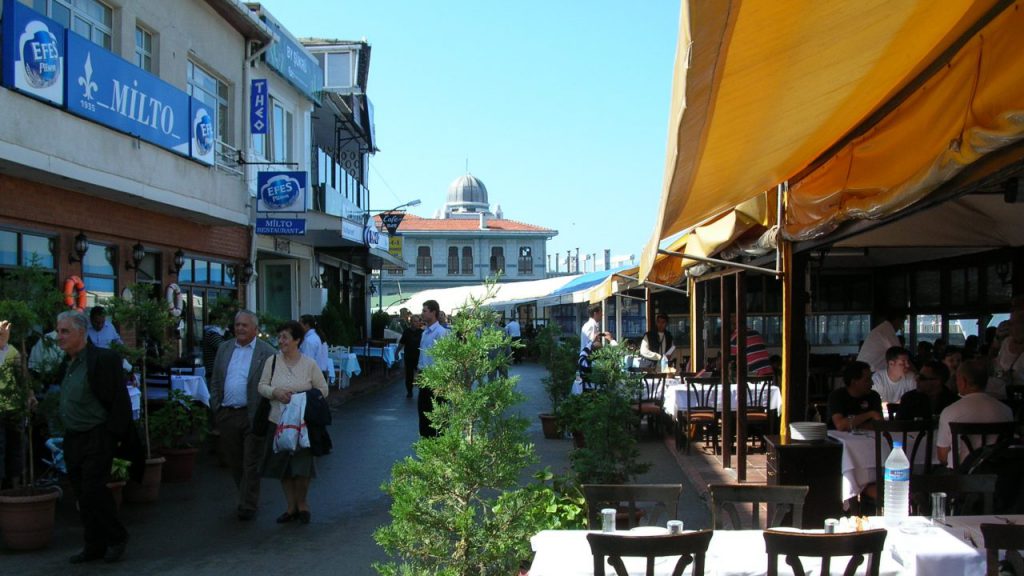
(75, 295)
(175, 300)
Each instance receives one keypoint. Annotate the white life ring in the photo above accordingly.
(175, 300)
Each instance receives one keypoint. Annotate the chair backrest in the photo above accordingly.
(660, 499)
(702, 394)
(1000, 537)
(959, 489)
(158, 379)
(689, 546)
(782, 500)
(976, 435)
(794, 545)
(892, 408)
(759, 393)
(912, 433)
(652, 390)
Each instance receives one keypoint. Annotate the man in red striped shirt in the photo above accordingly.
(758, 360)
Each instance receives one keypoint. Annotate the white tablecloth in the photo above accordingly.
(197, 371)
(194, 386)
(135, 396)
(933, 551)
(676, 393)
(388, 353)
(859, 459)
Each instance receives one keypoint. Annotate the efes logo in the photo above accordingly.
(202, 132)
(40, 55)
(280, 191)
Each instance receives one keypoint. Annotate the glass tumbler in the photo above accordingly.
(938, 508)
(608, 520)
(675, 526)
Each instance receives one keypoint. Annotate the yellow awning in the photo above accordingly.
(617, 282)
(763, 89)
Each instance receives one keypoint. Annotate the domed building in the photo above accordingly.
(465, 243)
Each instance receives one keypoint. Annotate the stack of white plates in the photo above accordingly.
(807, 431)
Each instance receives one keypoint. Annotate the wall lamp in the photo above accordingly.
(138, 253)
(245, 272)
(81, 246)
(178, 263)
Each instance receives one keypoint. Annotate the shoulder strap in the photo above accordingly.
(273, 366)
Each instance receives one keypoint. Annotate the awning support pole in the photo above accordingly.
(719, 262)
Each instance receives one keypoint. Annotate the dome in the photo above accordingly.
(467, 194)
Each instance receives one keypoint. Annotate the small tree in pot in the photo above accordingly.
(561, 360)
(174, 427)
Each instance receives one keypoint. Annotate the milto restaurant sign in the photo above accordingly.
(46, 61)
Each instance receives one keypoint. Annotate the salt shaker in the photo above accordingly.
(831, 525)
(675, 526)
(608, 520)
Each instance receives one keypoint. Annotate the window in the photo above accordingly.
(143, 49)
(281, 133)
(202, 283)
(497, 260)
(453, 260)
(525, 260)
(89, 18)
(337, 70)
(424, 263)
(99, 272)
(206, 88)
(19, 249)
(467, 260)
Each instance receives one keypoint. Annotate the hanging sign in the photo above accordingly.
(258, 106)
(281, 226)
(281, 192)
(392, 220)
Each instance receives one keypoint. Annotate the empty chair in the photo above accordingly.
(701, 412)
(1008, 537)
(760, 414)
(650, 400)
(977, 436)
(158, 386)
(657, 503)
(690, 547)
(794, 545)
(781, 500)
(915, 436)
(966, 494)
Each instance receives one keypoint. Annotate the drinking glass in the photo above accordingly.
(608, 520)
(675, 526)
(938, 508)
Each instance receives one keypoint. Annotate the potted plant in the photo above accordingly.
(561, 362)
(119, 474)
(378, 322)
(173, 428)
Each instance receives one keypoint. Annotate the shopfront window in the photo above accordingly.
(99, 272)
(202, 282)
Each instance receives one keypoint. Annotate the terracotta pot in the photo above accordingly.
(117, 491)
(27, 516)
(549, 423)
(149, 489)
(181, 463)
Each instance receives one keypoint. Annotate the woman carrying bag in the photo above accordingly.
(286, 377)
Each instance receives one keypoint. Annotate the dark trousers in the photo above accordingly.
(88, 456)
(424, 404)
(410, 373)
(243, 452)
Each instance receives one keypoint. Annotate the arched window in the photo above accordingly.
(467, 261)
(424, 263)
(453, 260)
(497, 260)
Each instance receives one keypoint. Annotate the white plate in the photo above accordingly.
(647, 531)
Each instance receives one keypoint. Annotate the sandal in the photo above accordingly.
(287, 517)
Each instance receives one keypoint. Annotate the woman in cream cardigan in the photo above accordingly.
(292, 373)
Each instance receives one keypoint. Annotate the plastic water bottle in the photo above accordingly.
(663, 364)
(897, 486)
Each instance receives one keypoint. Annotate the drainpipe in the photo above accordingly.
(248, 61)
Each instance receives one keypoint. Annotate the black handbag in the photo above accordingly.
(261, 421)
(318, 418)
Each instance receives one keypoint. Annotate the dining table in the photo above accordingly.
(388, 353)
(858, 463)
(915, 547)
(677, 393)
(342, 366)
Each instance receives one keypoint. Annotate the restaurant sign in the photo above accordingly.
(395, 247)
(351, 230)
(281, 226)
(289, 59)
(392, 220)
(281, 191)
(258, 106)
(33, 50)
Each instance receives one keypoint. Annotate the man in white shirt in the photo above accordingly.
(312, 345)
(591, 335)
(897, 379)
(879, 340)
(973, 406)
(101, 332)
(431, 334)
(515, 333)
(657, 344)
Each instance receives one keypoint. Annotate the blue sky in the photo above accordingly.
(560, 107)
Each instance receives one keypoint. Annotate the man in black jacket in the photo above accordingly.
(97, 416)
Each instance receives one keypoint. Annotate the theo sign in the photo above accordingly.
(391, 221)
(281, 192)
(258, 107)
(33, 50)
(281, 226)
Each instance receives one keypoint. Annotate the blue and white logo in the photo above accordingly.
(33, 53)
(40, 56)
(281, 191)
(202, 131)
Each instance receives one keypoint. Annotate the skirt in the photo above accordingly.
(287, 464)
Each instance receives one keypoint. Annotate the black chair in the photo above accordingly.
(964, 493)
(990, 437)
(690, 547)
(892, 408)
(913, 434)
(1008, 537)
(158, 386)
(660, 499)
(760, 415)
(794, 545)
(650, 400)
(701, 414)
(781, 501)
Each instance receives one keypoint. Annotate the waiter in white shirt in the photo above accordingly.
(312, 344)
(880, 339)
(433, 332)
(591, 335)
(514, 332)
(101, 332)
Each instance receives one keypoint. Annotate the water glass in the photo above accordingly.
(831, 525)
(675, 526)
(938, 508)
(849, 419)
(608, 520)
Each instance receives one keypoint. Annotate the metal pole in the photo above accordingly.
(741, 378)
(723, 355)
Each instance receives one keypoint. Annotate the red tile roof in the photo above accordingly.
(413, 223)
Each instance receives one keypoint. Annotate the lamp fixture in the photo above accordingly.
(245, 272)
(178, 263)
(138, 253)
(81, 246)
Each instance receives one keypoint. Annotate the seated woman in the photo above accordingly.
(287, 373)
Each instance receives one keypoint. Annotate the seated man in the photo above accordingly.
(897, 379)
(931, 396)
(973, 406)
(855, 404)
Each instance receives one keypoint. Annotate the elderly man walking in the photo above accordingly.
(97, 417)
(234, 398)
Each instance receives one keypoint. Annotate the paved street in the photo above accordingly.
(192, 529)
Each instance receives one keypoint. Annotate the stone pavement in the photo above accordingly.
(192, 530)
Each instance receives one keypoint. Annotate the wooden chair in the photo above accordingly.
(981, 433)
(1008, 537)
(651, 400)
(922, 431)
(701, 411)
(662, 500)
(960, 490)
(158, 386)
(759, 411)
(690, 547)
(794, 545)
(781, 500)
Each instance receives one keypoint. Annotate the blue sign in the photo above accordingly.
(114, 92)
(290, 60)
(258, 107)
(281, 226)
(204, 137)
(281, 192)
(33, 53)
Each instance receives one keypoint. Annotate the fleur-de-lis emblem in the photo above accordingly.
(86, 81)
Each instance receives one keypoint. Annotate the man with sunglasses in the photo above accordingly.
(930, 397)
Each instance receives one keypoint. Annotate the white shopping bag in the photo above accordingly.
(291, 433)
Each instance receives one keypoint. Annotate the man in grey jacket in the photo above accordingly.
(233, 399)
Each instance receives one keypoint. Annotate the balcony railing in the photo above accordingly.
(226, 158)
